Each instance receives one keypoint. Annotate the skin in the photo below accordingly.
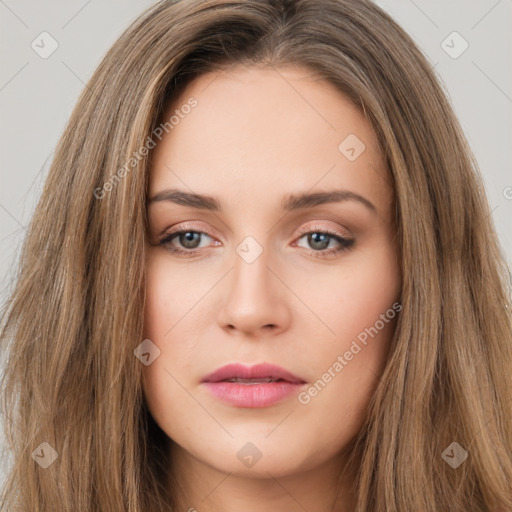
(257, 135)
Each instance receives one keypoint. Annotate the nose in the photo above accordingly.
(256, 300)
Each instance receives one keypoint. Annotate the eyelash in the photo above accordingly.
(346, 244)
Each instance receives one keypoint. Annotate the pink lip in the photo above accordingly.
(256, 394)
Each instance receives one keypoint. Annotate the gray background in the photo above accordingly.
(37, 94)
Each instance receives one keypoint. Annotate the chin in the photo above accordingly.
(261, 457)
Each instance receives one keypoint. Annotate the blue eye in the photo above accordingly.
(319, 241)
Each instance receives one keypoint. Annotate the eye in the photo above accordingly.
(187, 238)
(324, 242)
(321, 242)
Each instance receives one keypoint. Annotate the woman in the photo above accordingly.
(262, 274)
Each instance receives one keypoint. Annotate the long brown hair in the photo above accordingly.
(75, 316)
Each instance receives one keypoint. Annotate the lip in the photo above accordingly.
(252, 394)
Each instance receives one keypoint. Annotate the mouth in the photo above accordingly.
(252, 374)
(261, 385)
(253, 381)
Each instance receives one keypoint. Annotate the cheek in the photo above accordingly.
(156, 324)
(169, 297)
(171, 294)
(333, 408)
(360, 307)
(350, 297)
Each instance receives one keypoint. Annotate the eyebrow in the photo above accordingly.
(289, 203)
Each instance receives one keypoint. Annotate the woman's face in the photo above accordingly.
(290, 262)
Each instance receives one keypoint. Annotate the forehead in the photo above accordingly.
(261, 129)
